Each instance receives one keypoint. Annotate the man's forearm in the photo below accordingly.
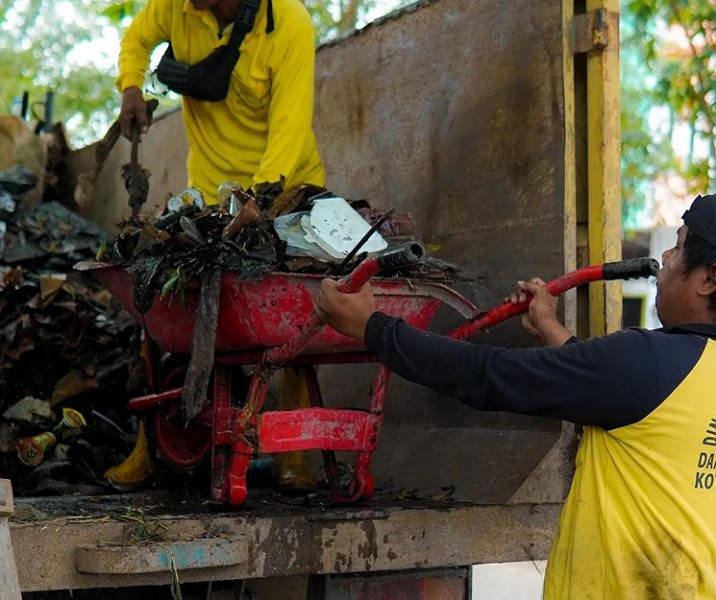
(449, 366)
(574, 382)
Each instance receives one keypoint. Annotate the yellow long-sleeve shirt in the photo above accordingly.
(262, 130)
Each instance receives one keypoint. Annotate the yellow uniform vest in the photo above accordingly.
(640, 520)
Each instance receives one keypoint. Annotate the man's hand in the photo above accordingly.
(346, 313)
(540, 321)
(134, 109)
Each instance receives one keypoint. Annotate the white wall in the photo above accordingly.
(662, 238)
(508, 581)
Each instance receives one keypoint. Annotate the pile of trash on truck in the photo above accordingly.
(307, 229)
(67, 351)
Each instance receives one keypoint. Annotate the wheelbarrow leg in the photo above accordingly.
(329, 456)
(363, 475)
(362, 484)
(235, 435)
(221, 453)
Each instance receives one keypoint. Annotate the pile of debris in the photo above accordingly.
(66, 350)
(306, 229)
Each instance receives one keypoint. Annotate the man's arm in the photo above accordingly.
(608, 382)
(151, 26)
(291, 106)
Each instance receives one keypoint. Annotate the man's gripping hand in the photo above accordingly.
(346, 313)
(134, 109)
(540, 321)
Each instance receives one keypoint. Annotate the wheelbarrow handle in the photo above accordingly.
(393, 258)
(401, 256)
(625, 269)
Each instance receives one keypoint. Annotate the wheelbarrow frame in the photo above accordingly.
(235, 434)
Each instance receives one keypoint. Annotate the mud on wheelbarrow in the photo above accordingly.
(270, 323)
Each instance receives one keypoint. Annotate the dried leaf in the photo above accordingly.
(51, 284)
(32, 410)
(71, 385)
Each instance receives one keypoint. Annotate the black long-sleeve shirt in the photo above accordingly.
(610, 381)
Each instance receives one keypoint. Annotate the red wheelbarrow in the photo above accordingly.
(270, 323)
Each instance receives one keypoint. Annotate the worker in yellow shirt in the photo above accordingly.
(261, 129)
(244, 69)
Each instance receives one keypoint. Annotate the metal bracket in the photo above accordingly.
(595, 31)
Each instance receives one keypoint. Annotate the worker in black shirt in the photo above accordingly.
(639, 521)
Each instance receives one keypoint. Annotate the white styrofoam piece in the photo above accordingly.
(337, 228)
(288, 228)
(311, 238)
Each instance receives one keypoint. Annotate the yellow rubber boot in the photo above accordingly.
(136, 468)
(290, 471)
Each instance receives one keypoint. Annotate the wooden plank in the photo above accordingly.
(287, 541)
(9, 585)
(604, 172)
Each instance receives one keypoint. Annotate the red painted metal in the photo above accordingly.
(350, 284)
(182, 444)
(317, 429)
(223, 435)
(142, 403)
(507, 310)
(266, 313)
(330, 464)
(271, 322)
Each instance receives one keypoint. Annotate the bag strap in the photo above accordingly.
(269, 17)
(244, 22)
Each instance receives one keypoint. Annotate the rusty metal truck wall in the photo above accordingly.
(455, 113)
(452, 110)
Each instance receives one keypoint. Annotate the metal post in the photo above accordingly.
(9, 585)
(603, 168)
(49, 110)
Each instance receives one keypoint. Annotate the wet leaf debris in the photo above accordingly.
(66, 350)
(253, 232)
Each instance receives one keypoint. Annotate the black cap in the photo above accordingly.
(701, 218)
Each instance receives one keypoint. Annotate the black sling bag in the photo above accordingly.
(209, 78)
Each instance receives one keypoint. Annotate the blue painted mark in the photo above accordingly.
(164, 559)
(190, 556)
(193, 556)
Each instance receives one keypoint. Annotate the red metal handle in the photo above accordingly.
(644, 267)
(393, 258)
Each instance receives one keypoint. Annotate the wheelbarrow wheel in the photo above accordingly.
(180, 448)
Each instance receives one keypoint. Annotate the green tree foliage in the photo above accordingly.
(668, 65)
(46, 45)
(335, 17)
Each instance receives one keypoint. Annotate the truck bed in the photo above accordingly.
(145, 539)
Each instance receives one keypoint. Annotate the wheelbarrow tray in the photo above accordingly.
(267, 312)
